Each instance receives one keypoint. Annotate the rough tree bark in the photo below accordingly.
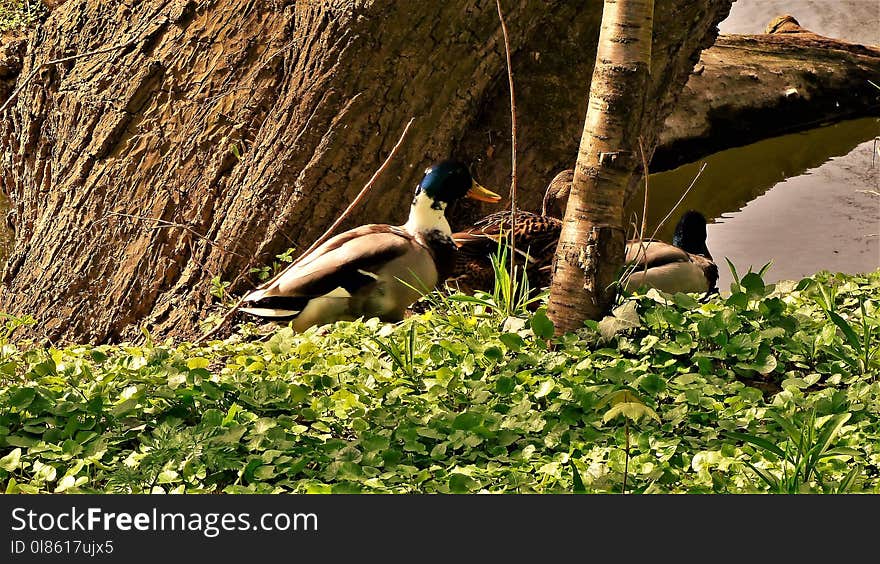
(591, 244)
(310, 96)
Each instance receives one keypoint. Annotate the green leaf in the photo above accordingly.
(753, 284)
(652, 383)
(462, 483)
(848, 331)
(827, 434)
(125, 407)
(22, 397)
(97, 356)
(541, 325)
(738, 300)
(623, 318)
(11, 460)
(513, 341)
(44, 369)
(757, 441)
(493, 353)
(264, 472)
(21, 441)
(167, 476)
(71, 447)
(467, 420)
(231, 413)
(630, 410)
(197, 362)
(685, 301)
(212, 391)
(764, 365)
(65, 483)
(545, 388)
(505, 385)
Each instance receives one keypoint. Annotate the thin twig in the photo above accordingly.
(367, 187)
(512, 142)
(161, 223)
(642, 246)
(680, 200)
(321, 239)
(40, 67)
(633, 267)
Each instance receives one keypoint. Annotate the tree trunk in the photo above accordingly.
(220, 133)
(591, 244)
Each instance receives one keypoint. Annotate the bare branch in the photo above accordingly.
(512, 142)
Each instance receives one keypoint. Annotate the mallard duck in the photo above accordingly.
(536, 237)
(374, 270)
(683, 266)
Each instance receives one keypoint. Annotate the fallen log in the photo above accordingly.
(751, 87)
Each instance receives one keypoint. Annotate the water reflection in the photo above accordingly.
(798, 199)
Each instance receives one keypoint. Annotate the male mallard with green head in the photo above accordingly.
(684, 266)
(374, 270)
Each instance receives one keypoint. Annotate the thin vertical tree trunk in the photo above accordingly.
(591, 245)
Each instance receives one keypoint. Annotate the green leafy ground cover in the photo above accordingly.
(766, 389)
(18, 14)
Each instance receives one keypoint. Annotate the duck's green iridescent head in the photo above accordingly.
(448, 181)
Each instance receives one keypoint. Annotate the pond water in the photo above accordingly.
(806, 201)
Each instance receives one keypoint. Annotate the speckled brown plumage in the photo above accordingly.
(535, 237)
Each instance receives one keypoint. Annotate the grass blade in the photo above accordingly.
(769, 478)
(851, 336)
(576, 478)
(758, 442)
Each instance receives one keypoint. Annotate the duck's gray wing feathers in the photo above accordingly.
(346, 261)
(652, 254)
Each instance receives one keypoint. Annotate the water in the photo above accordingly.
(857, 21)
(802, 201)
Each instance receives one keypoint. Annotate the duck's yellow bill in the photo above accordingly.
(477, 192)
